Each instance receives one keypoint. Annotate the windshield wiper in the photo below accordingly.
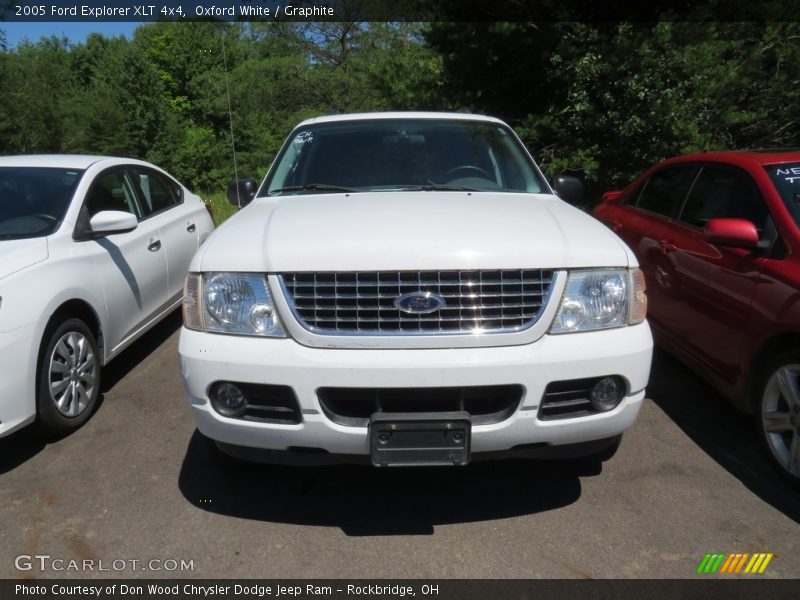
(435, 187)
(312, 187)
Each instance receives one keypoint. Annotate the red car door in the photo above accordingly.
(643, 221)
(712, 287)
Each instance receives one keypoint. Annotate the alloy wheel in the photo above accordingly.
(780, 417)
(73, 373)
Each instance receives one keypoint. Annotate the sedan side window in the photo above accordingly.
(724, 192)
(157, 193)
(665, 191)
(112, 191)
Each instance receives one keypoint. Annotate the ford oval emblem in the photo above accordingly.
(419, 303)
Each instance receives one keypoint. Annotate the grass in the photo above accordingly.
(219, 205)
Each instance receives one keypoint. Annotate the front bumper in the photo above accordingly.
(207, 358)
(18, 357)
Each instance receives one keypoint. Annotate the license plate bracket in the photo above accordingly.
(420, 439)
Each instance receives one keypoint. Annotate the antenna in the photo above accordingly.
(230, 115)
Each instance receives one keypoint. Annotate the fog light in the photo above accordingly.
(228, 399)
(606, 394)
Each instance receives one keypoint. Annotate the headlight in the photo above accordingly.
(237, 303)
(601, 299)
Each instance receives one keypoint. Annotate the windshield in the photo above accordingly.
(33, 200)
(403, 154)
(786, 178)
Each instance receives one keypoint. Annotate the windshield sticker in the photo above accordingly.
(303, 138)
(790, 174)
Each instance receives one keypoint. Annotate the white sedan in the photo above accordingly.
(93, 252)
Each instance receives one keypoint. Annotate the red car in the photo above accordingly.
(718, 239)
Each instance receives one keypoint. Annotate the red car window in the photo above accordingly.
(666, 190)
(724, 192)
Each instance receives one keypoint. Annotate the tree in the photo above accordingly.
(500, 68)
(605, 100)
(123, 108)
(38, 98)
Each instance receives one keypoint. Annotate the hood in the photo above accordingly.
(410, 231)
(16, 255)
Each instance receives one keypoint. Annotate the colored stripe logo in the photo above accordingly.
(733, 563)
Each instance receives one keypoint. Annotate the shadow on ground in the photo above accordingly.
(18, 448)
(137, 352)
(363, 500)
(26, 443)
(725, 434)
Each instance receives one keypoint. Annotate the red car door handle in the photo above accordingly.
(667, 246)
(616, 226)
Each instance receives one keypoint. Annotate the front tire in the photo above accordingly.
(778, 413)
(69, 378)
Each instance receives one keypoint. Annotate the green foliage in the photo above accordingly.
(611, 99)
(36, 112)
(165, 95)
(121, 111)
(498, 68)
(199, 158)
(221, 209)
(600, 100)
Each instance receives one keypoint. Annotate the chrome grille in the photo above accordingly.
(364, 303)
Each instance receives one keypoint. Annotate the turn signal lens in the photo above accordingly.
(638, 311)
(192, 315)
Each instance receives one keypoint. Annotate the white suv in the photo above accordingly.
(406, 288)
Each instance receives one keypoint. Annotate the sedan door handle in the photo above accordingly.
(191, 227)
(616, 226)
(667, 246)
(154, 246)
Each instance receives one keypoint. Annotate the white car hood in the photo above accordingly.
(410, 231)
(16, 255)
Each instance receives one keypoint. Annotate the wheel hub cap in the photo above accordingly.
(780, 417)
(73, 372)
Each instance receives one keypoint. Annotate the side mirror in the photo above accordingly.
(737, 233)
(569, 189)
(242, 191)
(112, 221)
(611, 196)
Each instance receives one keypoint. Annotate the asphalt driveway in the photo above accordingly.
(137, 489)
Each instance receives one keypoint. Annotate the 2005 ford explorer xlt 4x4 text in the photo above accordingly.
(407, 289)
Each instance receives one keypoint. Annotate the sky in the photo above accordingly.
(74, 32)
